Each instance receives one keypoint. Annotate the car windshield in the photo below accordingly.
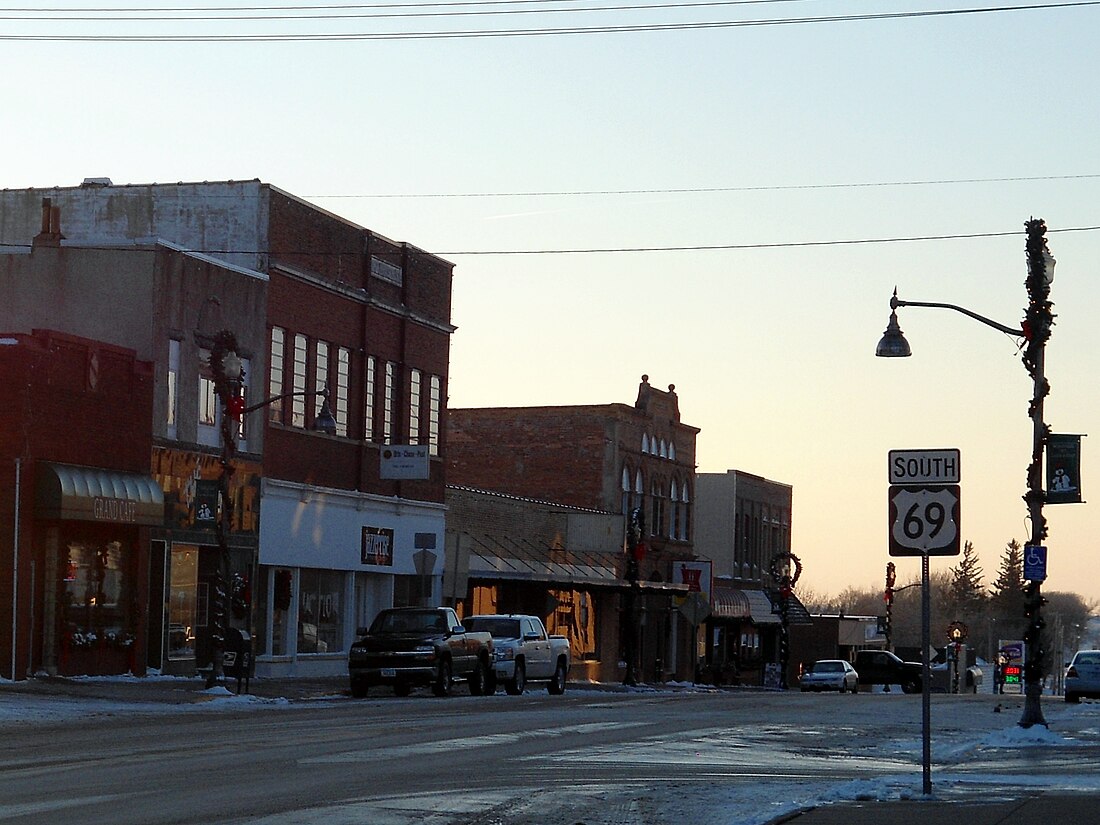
(499, 627)
(826, 667)
(409, 621)
(1090, 658)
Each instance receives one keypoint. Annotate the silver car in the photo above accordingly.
(829, 674)
(1083, 675)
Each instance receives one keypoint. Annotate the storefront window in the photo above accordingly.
(320, 611)
(94, 603)
(183, 619)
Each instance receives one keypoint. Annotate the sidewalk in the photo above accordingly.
(1056, 808)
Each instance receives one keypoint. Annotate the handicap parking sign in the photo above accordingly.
(1035, 563)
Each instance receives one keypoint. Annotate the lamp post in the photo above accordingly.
(228, 372)
(635, 552)
(1035, 331)
(785, 570)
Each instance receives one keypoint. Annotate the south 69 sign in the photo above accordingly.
(924, 520)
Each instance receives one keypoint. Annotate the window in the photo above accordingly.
(343, 379)
(388, 392)
(298, 403)
(664, 449)
(435, 405)
(645, 443)
(657, 525)
(320, 611)
(671, 451)
(677, 511)
(626, 491)
(242, 434)
(368, 400)
(173, 387)
(414, 406)
(208, 403)
(183, 602)
(685, 522)
(275, 374)
(320, 376)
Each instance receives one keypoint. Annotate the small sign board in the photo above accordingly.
(404, 461)
(923, 467)
(1063, 469)
(1035, 563)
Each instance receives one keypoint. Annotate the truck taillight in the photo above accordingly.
(1072, 672)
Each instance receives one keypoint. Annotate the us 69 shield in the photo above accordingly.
(924, 520)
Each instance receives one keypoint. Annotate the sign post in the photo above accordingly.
(924, 521)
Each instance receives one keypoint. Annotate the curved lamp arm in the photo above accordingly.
(896, 302)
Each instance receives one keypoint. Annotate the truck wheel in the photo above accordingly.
(358, 689)
(401, 688)
(518, 682)
(911, 687)
(557, 683)
(442, 684)
(479, 680)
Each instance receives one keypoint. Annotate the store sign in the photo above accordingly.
(1063, 469)
(114, 509)
(408, 461)
(377, 546)
(206, 502)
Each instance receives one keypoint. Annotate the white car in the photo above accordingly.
(1083, 675)
(829, 674)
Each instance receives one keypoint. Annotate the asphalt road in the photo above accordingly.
(586, 757)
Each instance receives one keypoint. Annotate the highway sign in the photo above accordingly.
(924, 467)
(924, 520)
(1035, 563)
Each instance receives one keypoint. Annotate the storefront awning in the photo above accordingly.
(68, 492)
(760, 607)
(729, 603)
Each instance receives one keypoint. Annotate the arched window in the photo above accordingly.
(671, 451)
(627, 505)
(676, 511)
(664, 449)
(657, 508)
(645, 443)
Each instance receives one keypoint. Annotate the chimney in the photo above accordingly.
(50, 234)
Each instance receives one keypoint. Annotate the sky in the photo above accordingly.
(716, 167)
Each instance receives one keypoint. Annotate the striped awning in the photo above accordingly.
(68, 492)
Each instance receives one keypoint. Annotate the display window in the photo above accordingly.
(320, 611)
(184, 600)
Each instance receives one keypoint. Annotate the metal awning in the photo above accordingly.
(504, 558)
(728, 603)
(760, 607)
(68, 492)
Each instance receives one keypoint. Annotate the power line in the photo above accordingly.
(607, 250)
(168, 15)
(531, 32)
(709, 189)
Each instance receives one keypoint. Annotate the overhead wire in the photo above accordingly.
(545, 31)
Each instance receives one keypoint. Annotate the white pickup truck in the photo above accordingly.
(524, 652)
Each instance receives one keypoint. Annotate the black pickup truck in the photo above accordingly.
(881, 667)
(408, 646)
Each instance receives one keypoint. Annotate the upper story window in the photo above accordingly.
(277, 361)
(320, 375)
(343, 382)
(435, 407)
(298, 385)
(386, 271)
(414, 406)
(368, 400)
(671, 451)
(389, 391)
(172, 418)
(208, 402)
(664, 449)
(645, 443)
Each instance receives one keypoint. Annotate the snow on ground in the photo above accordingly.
(1070, 726)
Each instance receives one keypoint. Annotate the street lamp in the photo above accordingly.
(228, 371)
(785, 570)
(1035, 331)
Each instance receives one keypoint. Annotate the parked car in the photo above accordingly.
(829, 674)
(1083, 675)
(407, 646)
(881, 667)
(524, 652)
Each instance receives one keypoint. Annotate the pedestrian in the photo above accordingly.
(999, 674)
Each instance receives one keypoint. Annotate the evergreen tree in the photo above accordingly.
(967, 593)
(1008, 589)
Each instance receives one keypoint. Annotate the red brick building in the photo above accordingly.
(610, 458)
(77, 504)
(328, 527)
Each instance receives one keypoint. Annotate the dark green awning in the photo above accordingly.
(72, 493)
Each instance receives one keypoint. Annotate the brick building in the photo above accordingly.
(331, 305)
(608, 458)
(77, 504)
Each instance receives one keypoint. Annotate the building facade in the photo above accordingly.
(743, 522)
(349, 526)
(613, 458)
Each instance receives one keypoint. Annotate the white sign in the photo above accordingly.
(924, 467)
(404, 461)
(924, 520)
